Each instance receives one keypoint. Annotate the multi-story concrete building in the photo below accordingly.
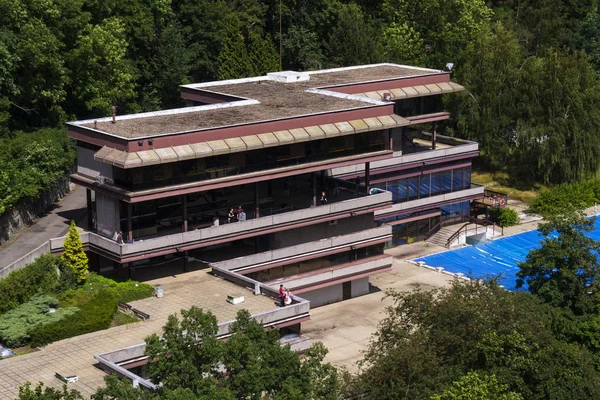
(365, 136)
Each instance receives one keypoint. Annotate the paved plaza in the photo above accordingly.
(75, 356)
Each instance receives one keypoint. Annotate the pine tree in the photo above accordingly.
(262, 53)
(233, 59)
(73, 254)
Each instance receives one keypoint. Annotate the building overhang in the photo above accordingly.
(218, 183)
(409, 92)
(143, 158)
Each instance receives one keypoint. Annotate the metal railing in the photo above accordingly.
(485, 223)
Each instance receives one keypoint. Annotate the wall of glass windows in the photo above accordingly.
(427, 185)
(250, 161)
(415, 231)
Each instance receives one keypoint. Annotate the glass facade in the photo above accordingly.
(415, 231)
(427, 185)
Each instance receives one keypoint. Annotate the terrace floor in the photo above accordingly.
(75, 356)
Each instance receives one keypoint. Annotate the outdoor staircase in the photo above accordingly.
(440, 238)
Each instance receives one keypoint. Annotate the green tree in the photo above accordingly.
(101, 75)
(430, 339)
(47, 393)
(251, 364)
(353, 39)
(474, 386)
(234, 61)
(488, 113)
(73, 254)
(262, 54)
(564, 272)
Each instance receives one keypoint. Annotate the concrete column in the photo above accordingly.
(367, 177)
(314, 188)
(129, 222)
(256, 201)
(323, 185)
(88, 195)
(107, 215)
(185, 213)
(391, 139)
(433, 136)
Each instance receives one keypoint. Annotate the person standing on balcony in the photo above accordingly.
(281, 296)
(241, 215)
(231, 216)
(120, 237)
(323, 199)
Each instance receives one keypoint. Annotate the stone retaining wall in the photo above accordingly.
(27, 210)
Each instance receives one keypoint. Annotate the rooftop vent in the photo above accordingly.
(288, 76)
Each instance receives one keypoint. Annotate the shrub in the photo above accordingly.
(21, 285)
(504, 216)
(92, 316)
(16, 324)
(565, 198)
(74, 256)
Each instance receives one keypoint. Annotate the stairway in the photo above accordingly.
(440, 238)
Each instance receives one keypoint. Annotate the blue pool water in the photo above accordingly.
(497, 258)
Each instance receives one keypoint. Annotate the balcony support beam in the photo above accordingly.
(433, 136)
(88, 195)
(185, 213)
(129, 222)
(256, 201)
(314, 188)
(367, 177)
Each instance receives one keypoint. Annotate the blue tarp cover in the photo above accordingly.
(497, 258)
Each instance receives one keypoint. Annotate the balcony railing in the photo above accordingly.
(451, 147)
(474, 190)
(222, 233)
(314, 248)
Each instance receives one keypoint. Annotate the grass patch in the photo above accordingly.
(501, 182)
(123, 319)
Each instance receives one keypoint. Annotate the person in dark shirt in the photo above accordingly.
(323, 198)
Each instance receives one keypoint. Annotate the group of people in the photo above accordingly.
(285, 297)
(236, 215)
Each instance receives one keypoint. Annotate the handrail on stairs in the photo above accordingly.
(483, 222)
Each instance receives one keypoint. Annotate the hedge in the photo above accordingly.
(21, 285)
(97, 301)
(16, 324)
(93, 316)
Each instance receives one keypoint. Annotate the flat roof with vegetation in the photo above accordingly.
(258, 99)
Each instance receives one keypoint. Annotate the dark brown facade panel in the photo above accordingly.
(262, 127)
(347, 278)
(392, 83)
(207, 96)
(310, 257)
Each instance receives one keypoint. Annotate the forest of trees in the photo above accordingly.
(530, 66)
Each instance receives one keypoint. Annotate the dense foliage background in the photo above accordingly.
(530, 66)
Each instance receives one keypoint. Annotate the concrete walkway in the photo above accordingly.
(52, 225)
(75, 356)
(346, 327)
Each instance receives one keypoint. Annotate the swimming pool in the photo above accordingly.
(497, 258)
